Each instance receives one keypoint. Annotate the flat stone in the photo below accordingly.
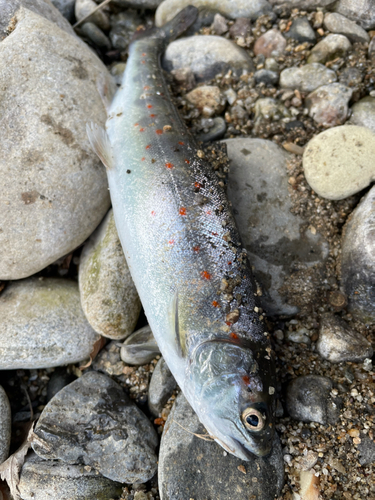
(339, 342)
(206, 56)
(231, 9)
(64, 196)
(108, 295)
(8, 8)
(43, 325)
(207, 470)
(208, 99)
(5, 425)
(360, 11)
(84, 7)
(93, 422)
(363, 113)
(306, 78)
(328, 105)
(309, 399)
(162, 385)
(140, 348)
(270, 44)
(331, 47)
(336, 23)
(54, 480)
(66, 7)
(258, 189)
(339, 161)
(357, 259)
(301, 31)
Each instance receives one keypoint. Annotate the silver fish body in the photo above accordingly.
(185, 255)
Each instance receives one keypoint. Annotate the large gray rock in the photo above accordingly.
(228, 8)
(93, 422)
(44, 8)
(43, 325)
(53, 480)
(336, 23)
(271, 234)
(5, 425)
(108, 295)
(363, 113)
(208, 471)
(54, 188)
(206, 56)
(306, 78)
(357, 259)
(361, 11)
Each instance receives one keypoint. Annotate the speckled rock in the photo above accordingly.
(53, 480)
(140, 348)
(66, 7)
(206, 56)
(258, 190)
(43, 325)
(328, 104)
(363, 113)
(44, 8)
(64, 196)
(93, 422)
(366, 450)
(208, 471)
(5, 425)
(228, 8)
(306, 78)
(301, 31)
(270, 44)
(360, 11)
(357, 259)
(336, 23)
(108, 295)
(162, 385)
(270, 109)
(331, 47)
(207, 99)
(84, 7)
(339, 162)
(339, 342)
(309, 399)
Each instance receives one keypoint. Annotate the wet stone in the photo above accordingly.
(309, 399)
(117, 71)
(360, 11)
(357, 260)
(301, 31)
(140, 348)
(209, 471)
(307, 78)
(328, 104)
(363, 113)
(371, 47)
(54, 480)
(331, 47)
(336, 23)
(162, 385)
(93, 422)
(271, 44)
(339, 342)
(339, 161)
(5, 425)
(109, 361)
(96, 35)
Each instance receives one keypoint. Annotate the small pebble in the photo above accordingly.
(84, 7)
(271, 44)
(301, 31)
(207, 99)
(140, 348)
(328, 104)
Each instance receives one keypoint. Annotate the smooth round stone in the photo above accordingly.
(301, 31)
(339, 162)
(207, 470)
(309, 399)
(8, 8)
(216, 132)
(270, 44)
(231, 9)
(93, 422)
(43, 325)
(84, 7)
(54, 480)
(66, 7)
(208, 99)
(64, 196)
(363, 113)
(360, 11)
(328, 104)
(206, 56)
(357, 259)
(108, 295)
(307, 78)
(5, 425)
(96, 35)
(339, 342)
(140, 348)
(336, 23)
(271, 234)
(331, 47)
(162, 385)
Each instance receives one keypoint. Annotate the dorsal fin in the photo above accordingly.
(99, 141)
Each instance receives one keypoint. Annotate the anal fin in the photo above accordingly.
(99, 142)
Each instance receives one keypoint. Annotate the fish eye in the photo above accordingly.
(253, 419)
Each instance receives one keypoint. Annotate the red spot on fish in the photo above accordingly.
(187, 161)
(214, 234)
(152, 115)
(246, 379)
(206, 275)
(146, 87)
(159, 131)
(148, 146)
(215, 303)
(171, 242)
(144, 53)
(229, 263)
(233, 336)
(197, 185)
(181, 143)
(143, 159)
(136, 124)
(149, 106)
(208, 212)
(169, 165)
(182, 211)
(152, 212)
(196, 249)
(143, 62)
(142, 129)
(228, 323)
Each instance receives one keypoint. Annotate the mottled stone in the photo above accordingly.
(301, 31)
(93, 422)
(162, 385)
(331, 47)
(339, 162)
(360, 11)
(309, 399)
(5, 425)
(240, 28)
(43, 325)
(271, 44)
(363, 113)
(140, 348)
(336, 23)
(328, 104)
(208, 99)
(307, 78)
(207, 470)
(108, 295)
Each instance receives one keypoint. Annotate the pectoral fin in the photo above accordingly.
(99, 141)
(178, 339)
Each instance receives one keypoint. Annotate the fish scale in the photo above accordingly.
(185, 254)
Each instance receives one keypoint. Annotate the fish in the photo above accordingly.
(185, 254)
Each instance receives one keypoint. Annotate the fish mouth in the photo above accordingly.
(247, 454)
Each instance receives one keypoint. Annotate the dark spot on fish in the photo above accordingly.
(153, 160)
(29, 197)
(261, 197)
(128, 171)
(119, 114)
